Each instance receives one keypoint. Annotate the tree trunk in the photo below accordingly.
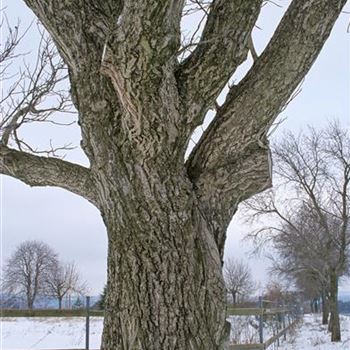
(30, 304)
(312, 306)
(316, 305)
(30, 300)
(325, 309)
(60, 303)
(234, 298)
(334, 323)
(165, 288)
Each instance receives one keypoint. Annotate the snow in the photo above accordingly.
(313, 336)
(69, 333)
(244, 329)
(49, 333)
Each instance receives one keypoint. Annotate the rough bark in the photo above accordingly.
(334, 323)
(166, 220)
(224, 46)
(42, 171)
(164, 271)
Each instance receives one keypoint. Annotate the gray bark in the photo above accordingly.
(164, 274)
(166, 220)
(42, 171)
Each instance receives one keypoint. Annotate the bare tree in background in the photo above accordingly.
(299, 255)
(238, 279)
(311, 230)
(274, 292)
(62, 279)
(312, 289)
(139, 100)
(302, 248)
(26, 272)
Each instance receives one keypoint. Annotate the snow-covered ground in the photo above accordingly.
(49, 333)
(311, 335)
(69, 333)
(244, 329)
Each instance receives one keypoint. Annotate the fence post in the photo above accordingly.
(87, 326)
(261, 321)
(278, 327)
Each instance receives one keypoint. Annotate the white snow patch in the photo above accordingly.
(313, 336)
(49, 332)
(69, 333)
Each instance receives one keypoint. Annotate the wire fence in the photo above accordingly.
(262, 326)
(252, 327)
(71, 327)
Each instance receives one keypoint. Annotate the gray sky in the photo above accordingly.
(74, 227)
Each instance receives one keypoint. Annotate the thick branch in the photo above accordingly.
(140, 58)
(154, 27)
(41, 171)
(79, 28)
(238, 133)
(223, 47)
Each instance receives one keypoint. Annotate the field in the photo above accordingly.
(49, 332)
(313, 336)
(69, 333)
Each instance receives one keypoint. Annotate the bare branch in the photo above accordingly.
(38, 94)
(252, 48)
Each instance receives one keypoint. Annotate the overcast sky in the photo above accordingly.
(74, 228)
